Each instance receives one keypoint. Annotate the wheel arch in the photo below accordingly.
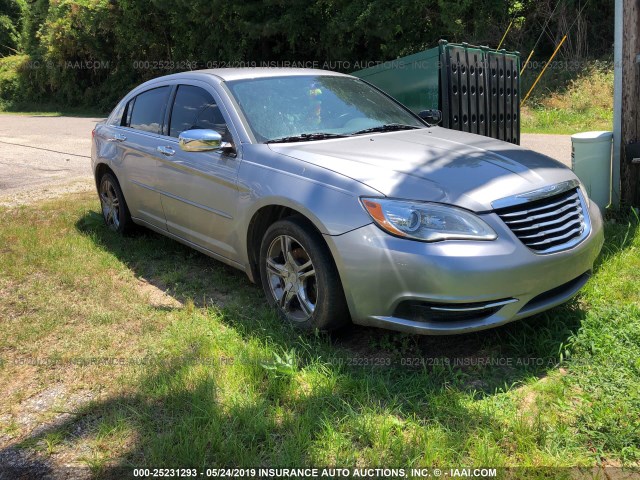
(262, 219)
(100, 169)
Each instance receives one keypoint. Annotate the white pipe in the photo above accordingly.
(617, 104)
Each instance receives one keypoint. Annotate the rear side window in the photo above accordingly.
(148, 110)
(195, 108)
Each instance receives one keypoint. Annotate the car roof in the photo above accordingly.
(229, 74)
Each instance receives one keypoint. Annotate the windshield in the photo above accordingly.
(281, 107)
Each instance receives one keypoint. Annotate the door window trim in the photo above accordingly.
(167, 114)
(130, 103)
(127, 113)
(131, 108)
(173, 104)
(173, 84)
(216, 98)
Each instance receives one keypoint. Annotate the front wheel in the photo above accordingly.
(300, 278)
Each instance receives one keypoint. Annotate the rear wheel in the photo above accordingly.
(300, 278)
(114, 207)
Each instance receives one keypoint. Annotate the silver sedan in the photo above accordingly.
(342, 203)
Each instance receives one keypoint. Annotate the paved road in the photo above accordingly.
(45, 156)
(554, 146)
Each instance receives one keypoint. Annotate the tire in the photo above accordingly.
(304, 286)
(113, 205)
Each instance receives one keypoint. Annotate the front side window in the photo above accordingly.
(279, 107)
(148, 110)
(195, 108)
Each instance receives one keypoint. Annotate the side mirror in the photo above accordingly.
(432, 117)
(202, 140)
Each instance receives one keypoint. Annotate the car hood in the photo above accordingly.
(434, 164)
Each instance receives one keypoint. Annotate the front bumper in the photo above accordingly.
(382, 274)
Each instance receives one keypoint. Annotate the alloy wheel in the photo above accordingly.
(292, 278)
(110, 204)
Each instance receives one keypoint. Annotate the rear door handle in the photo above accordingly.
(166, 151)
(118, 137)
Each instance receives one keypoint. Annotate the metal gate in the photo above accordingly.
(476, 88)
(480, 91)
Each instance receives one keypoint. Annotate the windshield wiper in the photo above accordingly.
(305, 137)
(389, 127)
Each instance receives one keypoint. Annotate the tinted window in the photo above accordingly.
(195, 108)
(148, 110)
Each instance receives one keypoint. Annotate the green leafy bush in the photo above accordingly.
(12, 87)
(90, 52)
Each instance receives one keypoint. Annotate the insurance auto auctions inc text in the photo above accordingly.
(376, 473)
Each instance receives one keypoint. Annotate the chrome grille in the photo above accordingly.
(549, 224)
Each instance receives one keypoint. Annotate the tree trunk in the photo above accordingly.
(630, 173)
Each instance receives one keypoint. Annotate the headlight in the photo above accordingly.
(428, 222)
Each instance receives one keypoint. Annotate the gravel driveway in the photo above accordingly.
(45, 156)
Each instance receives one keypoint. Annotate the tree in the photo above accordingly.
(10, 16)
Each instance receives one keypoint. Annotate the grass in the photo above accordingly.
(568, 103)
(120, 352)
(49, 110)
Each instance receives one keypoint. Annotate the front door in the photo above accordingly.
(198, 189)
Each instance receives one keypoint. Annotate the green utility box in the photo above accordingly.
(476, 88)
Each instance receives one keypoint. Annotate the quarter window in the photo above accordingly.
(148, 110)
(115, 118)
(195, 108)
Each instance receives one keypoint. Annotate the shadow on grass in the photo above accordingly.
(187, 275)
(371, 375)
(191, 428)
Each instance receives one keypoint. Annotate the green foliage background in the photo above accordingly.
(89, 52)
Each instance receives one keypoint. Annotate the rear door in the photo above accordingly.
(199, 189)
(139, 137)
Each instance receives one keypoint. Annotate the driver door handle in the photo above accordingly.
(166, 151)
